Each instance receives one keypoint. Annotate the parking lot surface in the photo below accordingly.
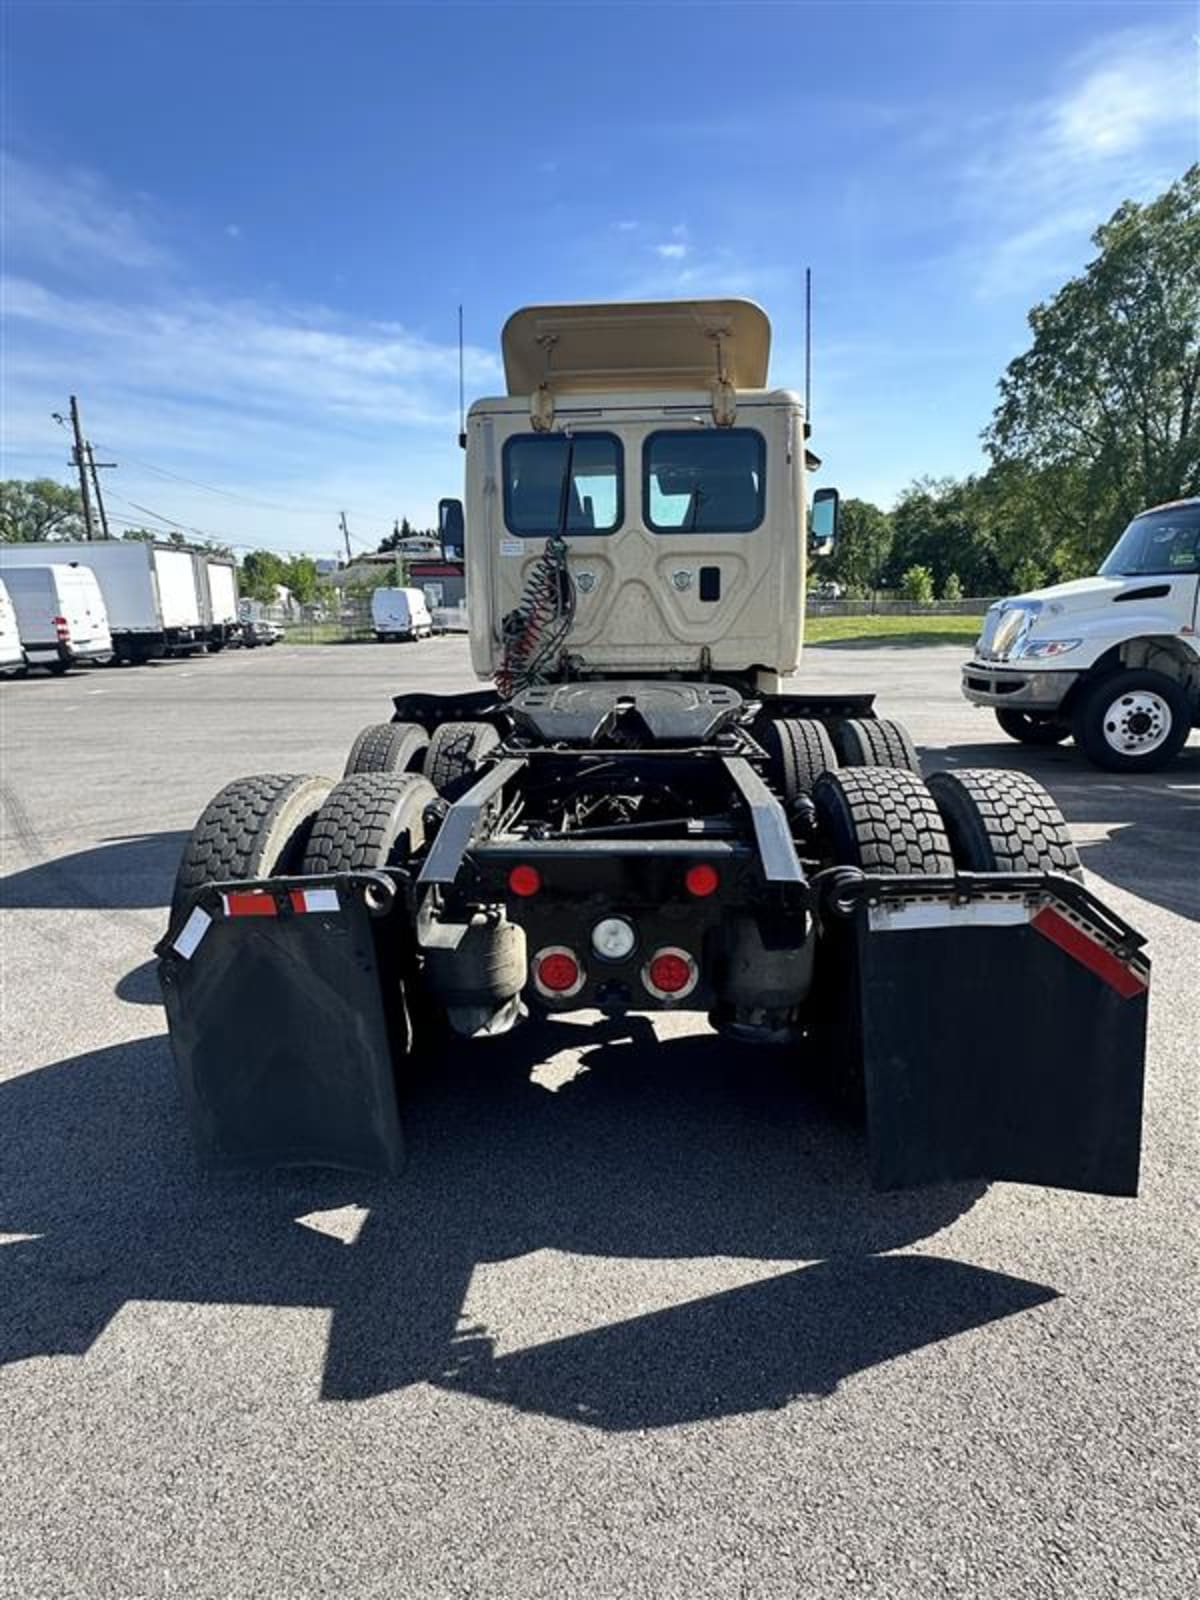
(631, 1323)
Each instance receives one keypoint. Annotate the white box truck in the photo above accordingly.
(400, 614)
(60, 615)
(216, 586)
(150, 591)
(12, 652)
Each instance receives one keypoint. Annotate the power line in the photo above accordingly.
(244, 499)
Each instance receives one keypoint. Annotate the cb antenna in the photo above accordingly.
(807, 352)
(462, 419)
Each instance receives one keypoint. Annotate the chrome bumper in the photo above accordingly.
(985, 683)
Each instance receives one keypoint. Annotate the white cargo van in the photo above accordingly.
(12, 655)
(401, 614)
(60, 614)
(150, 591)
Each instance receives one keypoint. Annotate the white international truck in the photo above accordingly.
(1113, 660)
(638, 812)
(150, 591)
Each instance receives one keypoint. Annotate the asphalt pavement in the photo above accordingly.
(631, 1322)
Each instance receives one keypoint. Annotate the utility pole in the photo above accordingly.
(94, 464)
(81, 464)
(345, 536)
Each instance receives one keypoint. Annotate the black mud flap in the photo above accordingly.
(285, 1034)
(1003, 1036)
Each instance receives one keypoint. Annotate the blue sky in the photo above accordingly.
(240, 231)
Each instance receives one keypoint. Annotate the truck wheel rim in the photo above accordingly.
(1137, 724)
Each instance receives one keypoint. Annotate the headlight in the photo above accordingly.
(1042, 649)
(1009, 632)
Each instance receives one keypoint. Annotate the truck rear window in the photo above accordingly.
(704, 481)
(541, 495)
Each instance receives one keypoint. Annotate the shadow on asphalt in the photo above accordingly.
(1153, 847)
(686, 1150)
(120, 874)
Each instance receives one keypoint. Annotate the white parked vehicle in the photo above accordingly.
(401, 614)
(150, 591)
(216, 586)
(1113, 660)
(60, 614)
(12, 653)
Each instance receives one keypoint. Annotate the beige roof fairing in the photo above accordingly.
(650, 344)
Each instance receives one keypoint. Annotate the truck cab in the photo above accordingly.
(644, 439)
(1113, 660)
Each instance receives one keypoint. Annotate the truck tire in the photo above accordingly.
(1133, 721)
(455, 751)
(255, 828)
(1003, 822)
(882, 819)
(799, 751)
(370, 820)
(875, 742)
(1028, 728)
(387, 747)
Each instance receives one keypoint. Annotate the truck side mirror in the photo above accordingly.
(451, 531)
(823, 522)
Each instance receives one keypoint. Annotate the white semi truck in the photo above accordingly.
(637, 812)
(1113, 660)
(150, 591)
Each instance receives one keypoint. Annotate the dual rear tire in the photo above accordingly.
(887, 820)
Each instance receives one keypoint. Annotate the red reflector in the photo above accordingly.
(671, 972)
(59, 622)
(524, 880)
(253, 903)
(558, 971)
(1052, 925)
(701, 879)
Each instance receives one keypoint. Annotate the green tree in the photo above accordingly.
(917, 585)
(300, 576)
(860, 555)
(941, 524)
(952, 588)
(1027, 575)
(1104, 406)
(39, 508)
(262, 571)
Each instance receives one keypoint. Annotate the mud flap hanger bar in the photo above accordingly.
(842, 890)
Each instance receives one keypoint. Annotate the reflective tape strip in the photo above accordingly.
(1089, 952)
(945, 914)
(250, 903)
(314, 900)
(190, 935)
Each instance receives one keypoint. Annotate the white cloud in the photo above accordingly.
(625, 226)
(671, 252)
(72, 220)
(297, 405)
(1042, 178)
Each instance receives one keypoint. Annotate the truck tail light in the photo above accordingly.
(524, 880)
(670, 973)
(62, 628)
(702, 880)
(557, 973)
